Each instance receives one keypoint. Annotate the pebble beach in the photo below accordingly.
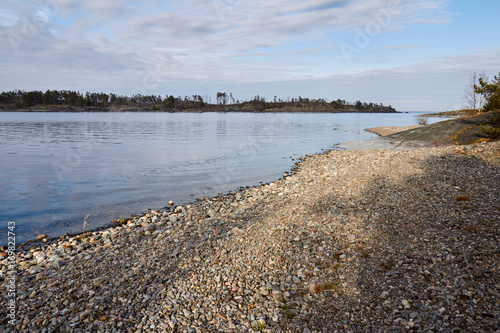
(350, 241)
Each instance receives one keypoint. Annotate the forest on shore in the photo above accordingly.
(73, 101)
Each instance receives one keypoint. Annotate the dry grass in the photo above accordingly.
(317, 288)
(460, 197)
(258, 325)
(482, 140)
(387, 264)
(473, 228)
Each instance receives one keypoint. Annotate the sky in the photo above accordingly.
(416, 55)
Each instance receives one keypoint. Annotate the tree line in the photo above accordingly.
(260, 103)
(20, 99)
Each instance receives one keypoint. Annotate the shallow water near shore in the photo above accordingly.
(59, 169)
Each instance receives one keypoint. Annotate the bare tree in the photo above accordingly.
(470, 96)
(473, 100)
(422, 120)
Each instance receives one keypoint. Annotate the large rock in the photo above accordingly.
(464, 130)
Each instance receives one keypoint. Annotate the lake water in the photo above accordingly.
(57, 168)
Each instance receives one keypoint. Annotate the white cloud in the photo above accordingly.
(7, 18)
(427, 12)
(398, 47)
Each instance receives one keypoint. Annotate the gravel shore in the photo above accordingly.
(353, 241)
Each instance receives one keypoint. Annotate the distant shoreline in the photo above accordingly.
(221, 110)
(193, 111)
(73, 101)
(454, 113)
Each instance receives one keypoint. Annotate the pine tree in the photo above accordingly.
(490, 91)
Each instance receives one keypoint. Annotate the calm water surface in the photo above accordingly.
(57, 168)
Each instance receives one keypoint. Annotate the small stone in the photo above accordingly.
(54, 258)
(458, 321)
(171, 203)
(236, 231)
(149, 227)
(41, 237)
(98, 281)
(40, 258)
(264, 292)
(406, 304)
(277, 294)
(57, 263)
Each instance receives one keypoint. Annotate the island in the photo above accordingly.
(73, 101)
